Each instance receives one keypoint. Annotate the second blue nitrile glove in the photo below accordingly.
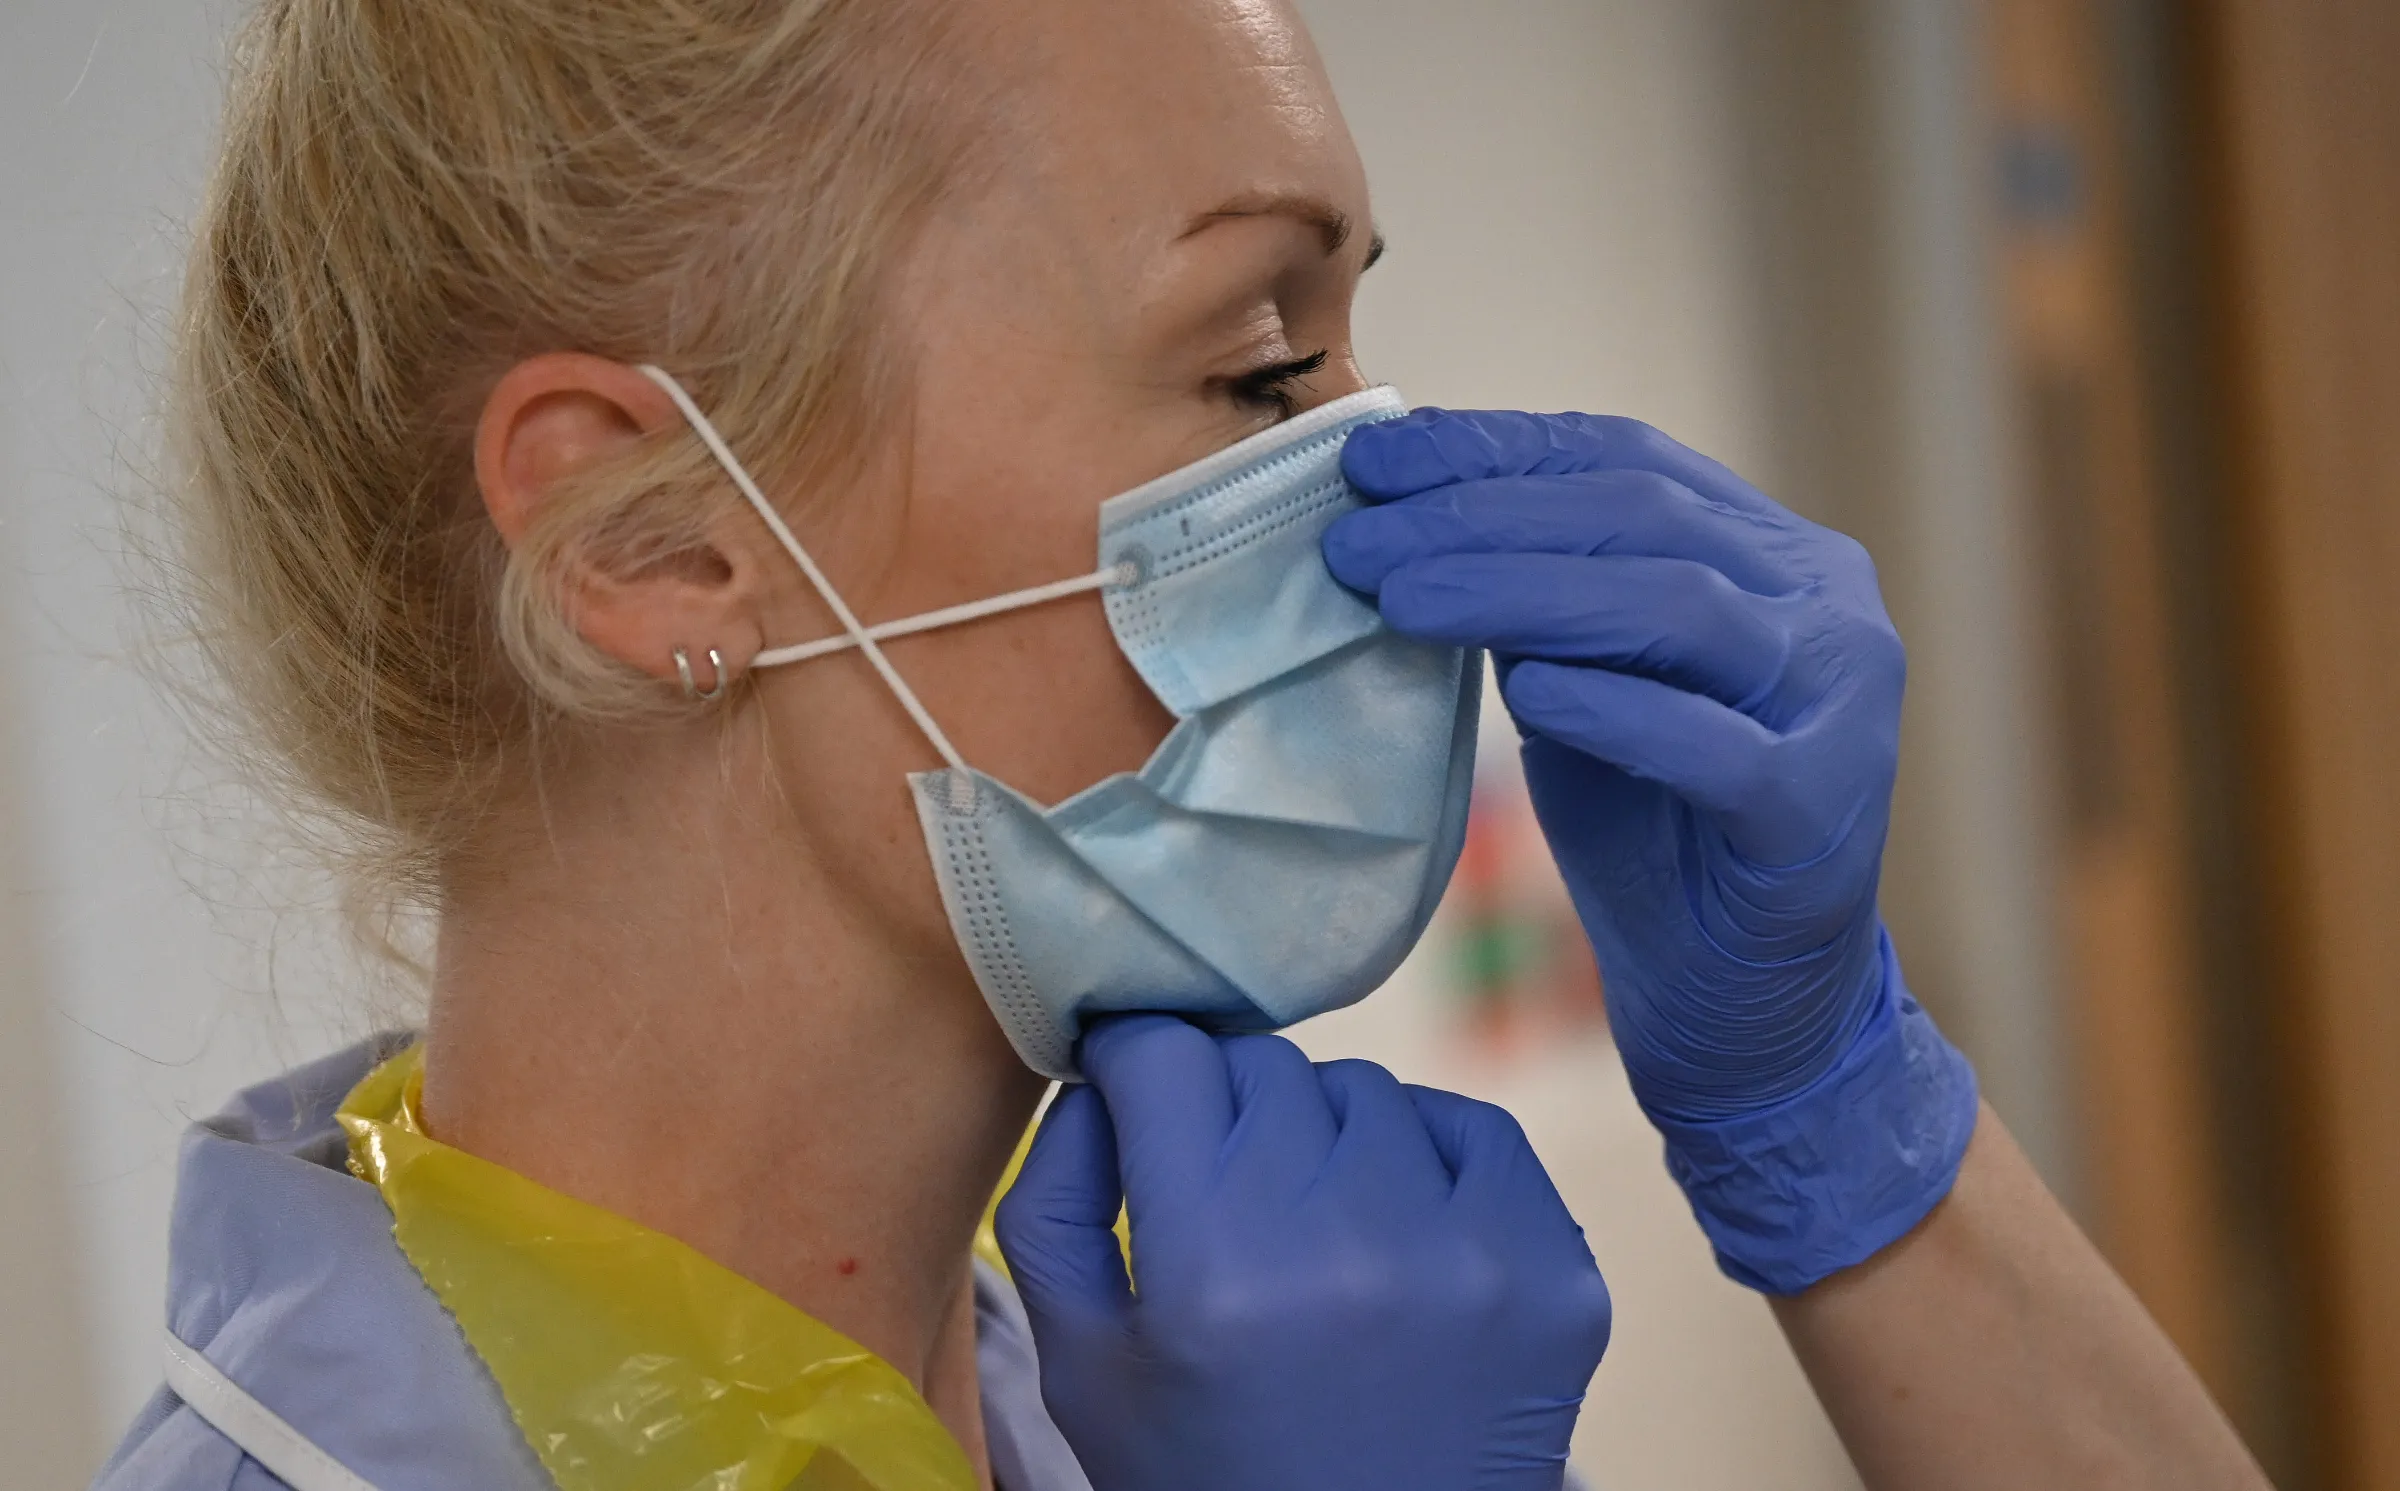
(1346, 1284)
(1710, 694)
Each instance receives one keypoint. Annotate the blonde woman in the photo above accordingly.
(835, 545)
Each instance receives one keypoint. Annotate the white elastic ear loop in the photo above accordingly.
(909, 626)
(816, 577)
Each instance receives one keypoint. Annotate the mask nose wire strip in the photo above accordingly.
(1015, 600)
(816, 577)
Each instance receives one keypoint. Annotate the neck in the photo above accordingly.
(722, 1039)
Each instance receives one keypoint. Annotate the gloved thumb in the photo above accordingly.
(1057, 1224)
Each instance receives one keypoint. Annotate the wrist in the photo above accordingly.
(1832, 1175)
(1752, 1035)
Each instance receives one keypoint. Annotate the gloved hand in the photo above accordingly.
(1709, 691)
(1346, 1284)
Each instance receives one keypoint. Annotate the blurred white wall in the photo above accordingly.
(140, 982)
(1563, 187)
(47, 1412)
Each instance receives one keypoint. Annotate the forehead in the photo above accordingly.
(1172, 106)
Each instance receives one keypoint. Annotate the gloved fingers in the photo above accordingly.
(1057, 1224)
(1492, 1162)
(1170, 1101)
(1633, 513)
(1670, 620)
(1383, 1141)
(1283, 1127)
(1714, 757)
(1436, 447)
(1464, 1132)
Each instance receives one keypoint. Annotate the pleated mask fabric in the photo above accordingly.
(1285, 846)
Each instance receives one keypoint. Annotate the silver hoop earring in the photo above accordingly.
(691, 689)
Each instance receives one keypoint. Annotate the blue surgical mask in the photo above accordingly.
(1285, 846)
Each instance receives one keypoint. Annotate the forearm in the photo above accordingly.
(1993, 1347)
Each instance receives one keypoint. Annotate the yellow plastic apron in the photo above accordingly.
(631, 1362)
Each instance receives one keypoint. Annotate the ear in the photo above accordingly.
(556, 416)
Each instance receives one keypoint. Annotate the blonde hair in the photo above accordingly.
(411, 196)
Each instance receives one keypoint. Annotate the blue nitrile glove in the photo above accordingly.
(1709, 691)
(1346, 1284)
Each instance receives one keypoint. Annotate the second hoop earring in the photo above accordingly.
(691, 688)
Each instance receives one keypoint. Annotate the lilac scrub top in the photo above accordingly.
(288, 1300)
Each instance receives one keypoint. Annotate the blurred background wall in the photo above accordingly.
(2082, 313)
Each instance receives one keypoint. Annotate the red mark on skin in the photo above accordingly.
(846, 1267)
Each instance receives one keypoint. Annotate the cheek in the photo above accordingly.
(1043, 700)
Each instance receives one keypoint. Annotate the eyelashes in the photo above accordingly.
(1270, 387)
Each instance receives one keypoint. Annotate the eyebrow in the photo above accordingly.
(1333, 226)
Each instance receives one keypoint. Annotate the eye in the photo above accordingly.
(1270, 387)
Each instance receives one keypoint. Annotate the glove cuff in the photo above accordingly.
(1841, 1170)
